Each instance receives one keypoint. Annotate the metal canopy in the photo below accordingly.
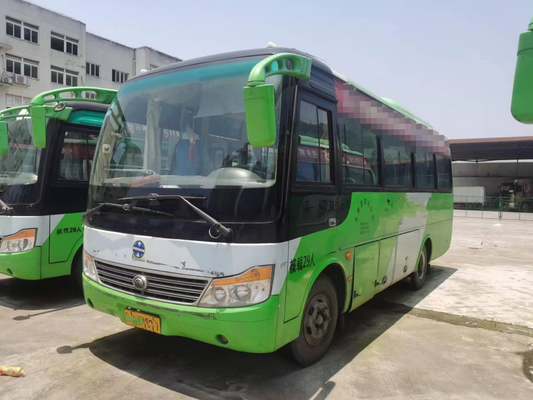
(489, 149)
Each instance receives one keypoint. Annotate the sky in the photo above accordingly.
(449, 62)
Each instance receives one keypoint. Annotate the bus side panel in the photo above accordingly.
(366, 264)
(66, 234)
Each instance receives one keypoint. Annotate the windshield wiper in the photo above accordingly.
(126, 207)
(5, 209)
(215, 231)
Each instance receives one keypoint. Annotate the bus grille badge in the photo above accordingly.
(140, 282)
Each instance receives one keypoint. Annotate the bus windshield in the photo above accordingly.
(183, 129)
(21, 165)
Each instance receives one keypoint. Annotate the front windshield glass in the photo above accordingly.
(184, 129)
(21, 165)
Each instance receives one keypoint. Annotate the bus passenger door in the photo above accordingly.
(314, 201)
(67, 194)
(366, 263)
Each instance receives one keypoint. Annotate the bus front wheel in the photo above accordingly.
(76, 271)
(318, 323)
(418, 278)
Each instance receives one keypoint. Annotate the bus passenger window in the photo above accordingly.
(360, 162)
(398, 165)
(444, 168)
(313, 144)
(425, 171)
(74, 163)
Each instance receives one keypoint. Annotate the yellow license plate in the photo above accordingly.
(141, 320)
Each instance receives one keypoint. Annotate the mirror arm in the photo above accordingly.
(280, 64)
(103, 96)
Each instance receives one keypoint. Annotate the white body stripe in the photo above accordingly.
(190, 257)
(44, 224)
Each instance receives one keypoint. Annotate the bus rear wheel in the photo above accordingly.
(418, 277)
(318, 323)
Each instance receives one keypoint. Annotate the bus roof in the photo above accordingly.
(275, 50)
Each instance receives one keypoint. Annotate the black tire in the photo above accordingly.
(418, 278)
(76, 272)
(525, 207)
(319, 321)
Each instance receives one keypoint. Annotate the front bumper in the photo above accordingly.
(250, 329)
(23, 265)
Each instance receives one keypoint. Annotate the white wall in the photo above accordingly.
(47, 21)
(107, 54)
(148, 58)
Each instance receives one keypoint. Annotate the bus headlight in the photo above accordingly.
(88, 267)
(251, 287)
(21, 241)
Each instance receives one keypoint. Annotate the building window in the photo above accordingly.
(58, 75)
(92, 69)
(31, 69)
(118, 76)
(71, 78)
(13, 64)
(20, 66)
(61, 76)
(90, 95)
(15, 101)
(16, 29)
(64, 44)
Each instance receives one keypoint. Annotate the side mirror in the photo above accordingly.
(38, 126)
(260, 115)
(4, 143)
(522, 102)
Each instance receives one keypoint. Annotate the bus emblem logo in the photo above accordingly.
(138, 249)
(140, 282)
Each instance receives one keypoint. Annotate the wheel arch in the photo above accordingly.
(332, 268)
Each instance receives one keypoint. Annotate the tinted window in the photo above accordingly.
(360, 157)
(74, 164)
(444, 167)
(313, 144)
(425, 170)
(397, 165)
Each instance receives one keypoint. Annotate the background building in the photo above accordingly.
(42, 50)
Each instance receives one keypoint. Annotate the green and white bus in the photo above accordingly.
(253, 218)
(44, 178)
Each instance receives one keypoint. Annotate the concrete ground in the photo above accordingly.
(468, 334)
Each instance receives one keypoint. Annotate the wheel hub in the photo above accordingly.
(317, 319)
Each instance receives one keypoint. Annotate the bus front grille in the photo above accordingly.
(161, 286)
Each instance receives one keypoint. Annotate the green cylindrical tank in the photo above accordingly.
(522, 102)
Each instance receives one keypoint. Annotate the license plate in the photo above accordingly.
(143, 321)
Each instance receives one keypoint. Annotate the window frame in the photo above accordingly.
(449, 160)
(316, 187)
(71, 75)
(120, 74)
(348, 187)
(92, 67)
(32, 64)
(15, 59)
(58, 71)
(66, 40)
(56, 167)
(412, 169)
